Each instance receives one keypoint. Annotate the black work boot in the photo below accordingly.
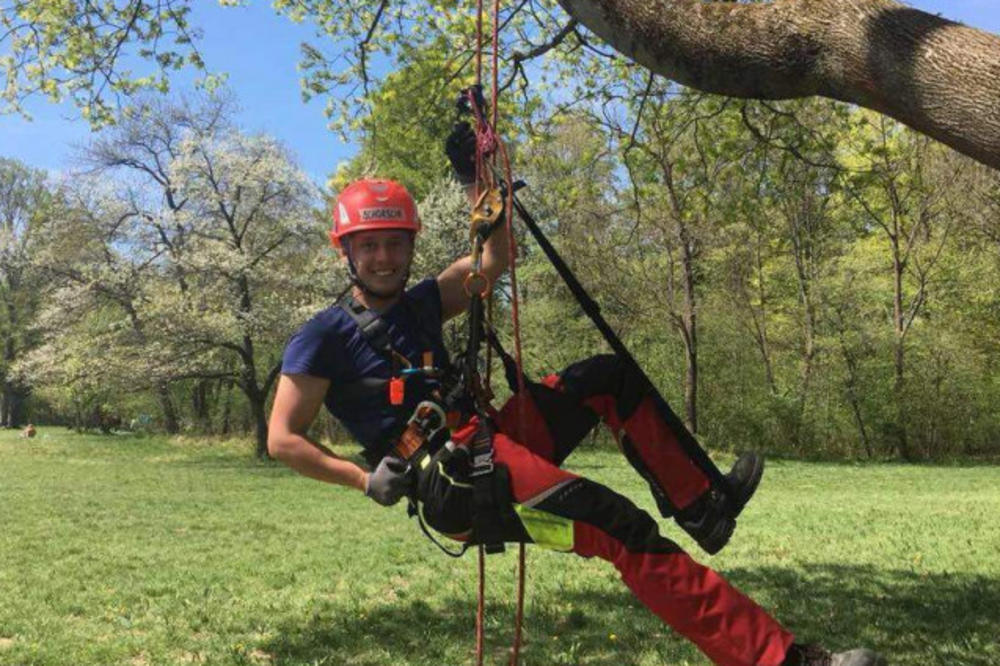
(744, 477)
(708, 520)
(813, 655)
(711, 519)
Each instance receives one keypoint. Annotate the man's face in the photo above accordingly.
(382, 259)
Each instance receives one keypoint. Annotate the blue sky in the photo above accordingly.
(259, 51)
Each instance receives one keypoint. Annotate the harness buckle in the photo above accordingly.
(482, 451)
(482, 464)
(429, 417)
(427, 421)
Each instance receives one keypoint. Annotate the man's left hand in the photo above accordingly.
(390, 481)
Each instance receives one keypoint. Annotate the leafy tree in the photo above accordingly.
(204, 243)
(26, 203)
(79, 50)
(901, 200)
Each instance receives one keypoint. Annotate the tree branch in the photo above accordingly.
(937, 76)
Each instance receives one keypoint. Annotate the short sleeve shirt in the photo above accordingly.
(330, 345)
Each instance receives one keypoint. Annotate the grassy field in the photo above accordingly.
(132, 550)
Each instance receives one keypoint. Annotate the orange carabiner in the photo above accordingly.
(467, 284)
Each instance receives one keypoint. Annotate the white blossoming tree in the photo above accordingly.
(194, 255)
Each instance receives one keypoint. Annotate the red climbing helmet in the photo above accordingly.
(370, 204)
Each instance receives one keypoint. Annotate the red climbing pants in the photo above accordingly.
(695, 601)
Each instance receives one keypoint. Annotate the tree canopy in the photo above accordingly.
(934, 75)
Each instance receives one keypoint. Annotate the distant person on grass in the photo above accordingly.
(376, 359)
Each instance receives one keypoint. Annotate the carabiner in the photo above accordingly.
(472, 277)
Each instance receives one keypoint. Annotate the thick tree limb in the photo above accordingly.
(939, 77)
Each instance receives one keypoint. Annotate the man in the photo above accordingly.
(368, 360)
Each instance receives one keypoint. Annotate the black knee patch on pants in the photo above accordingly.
(568, 421)
(596, 505)
(605, 374)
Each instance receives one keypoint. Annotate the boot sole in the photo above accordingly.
(721, 536)
(753, 481)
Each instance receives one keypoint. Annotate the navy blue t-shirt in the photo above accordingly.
(331, 346)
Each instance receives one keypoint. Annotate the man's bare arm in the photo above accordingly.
(296, 403)
(451, 281)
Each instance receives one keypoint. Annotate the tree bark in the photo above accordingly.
(170, 422)
(899, 350)
(851, 385)
(690, 318)
(761, 325)
(802, 222)
(227, 409)
(937, 76)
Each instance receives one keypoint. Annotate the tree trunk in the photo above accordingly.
(852, 398)
(802, 253)
(256, 396)
(936, 76)
(227, 408)
(13, 407)
(690, 318)
(851, 384)
(761, 326)
(200, 404)
(5, 410)
(902, 445)
(257, 404)
(170, 423)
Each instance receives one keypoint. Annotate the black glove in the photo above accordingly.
(390, 481)
(460, 147)
(445, 491)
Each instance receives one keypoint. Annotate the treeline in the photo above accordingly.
(803, 278)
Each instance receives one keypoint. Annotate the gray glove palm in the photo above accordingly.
(390, 481)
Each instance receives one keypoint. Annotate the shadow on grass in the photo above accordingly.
(912, 618)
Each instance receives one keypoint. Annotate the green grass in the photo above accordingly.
(129, 550)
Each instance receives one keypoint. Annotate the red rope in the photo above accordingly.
(488, 144)
(515, 649)
(522, 395)
(515, 311)
(479, 41)
(495, 60)
(480, 605)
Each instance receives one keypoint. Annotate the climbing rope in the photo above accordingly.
(488, 148)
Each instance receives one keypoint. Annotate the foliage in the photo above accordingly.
(82, 51)
(27, 204)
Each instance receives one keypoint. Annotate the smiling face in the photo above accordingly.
(382, 260)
